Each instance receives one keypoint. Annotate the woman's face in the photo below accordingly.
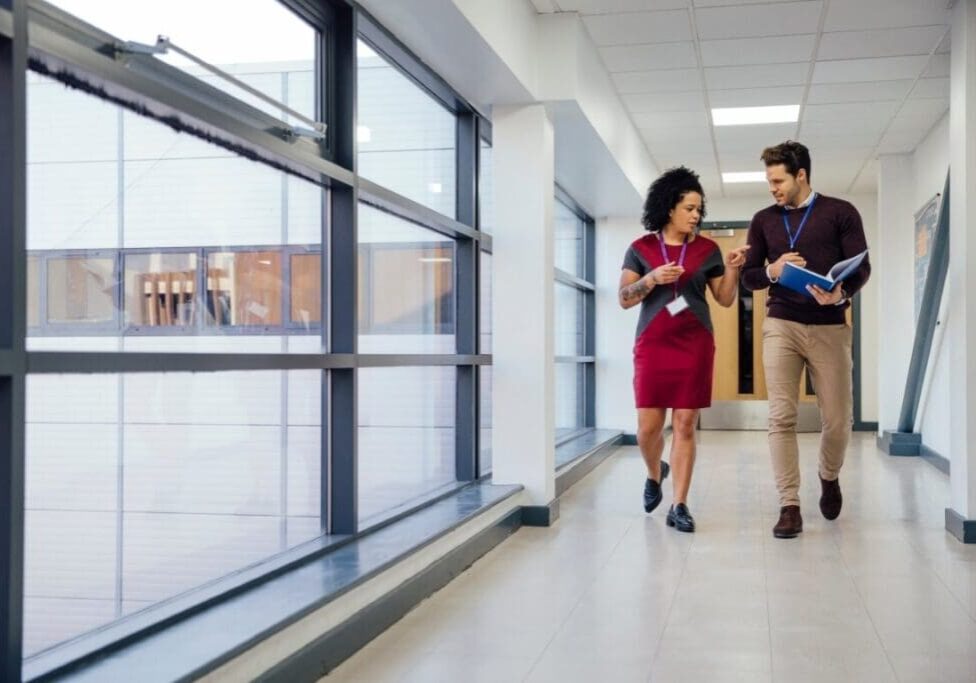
(686, 215)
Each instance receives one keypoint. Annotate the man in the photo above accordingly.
(813, 231)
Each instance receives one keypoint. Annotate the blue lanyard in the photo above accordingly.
(681, 258)
(786, 223)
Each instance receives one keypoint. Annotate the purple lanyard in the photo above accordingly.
(786, 223)
(681, 258)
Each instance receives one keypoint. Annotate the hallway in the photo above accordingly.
(609, 594)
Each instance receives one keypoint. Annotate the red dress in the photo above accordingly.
(674, 354)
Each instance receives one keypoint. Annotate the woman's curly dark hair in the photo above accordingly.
(665, 193)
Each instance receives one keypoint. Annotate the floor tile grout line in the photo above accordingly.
(864, 604)
(586, 590)
(967, 610)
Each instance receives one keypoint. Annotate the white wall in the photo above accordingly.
(615, 327)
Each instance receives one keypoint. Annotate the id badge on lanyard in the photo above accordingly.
(679, 303)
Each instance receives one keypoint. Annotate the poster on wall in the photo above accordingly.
(926, 221)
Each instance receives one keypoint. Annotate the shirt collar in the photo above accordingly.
(805, 202)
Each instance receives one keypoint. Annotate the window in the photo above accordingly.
(280, 64)
(406, 294)
(406, 437)
(406, 140)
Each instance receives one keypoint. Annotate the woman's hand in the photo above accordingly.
(737, 257)
(666, 274)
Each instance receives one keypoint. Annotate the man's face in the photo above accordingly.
(784, 187)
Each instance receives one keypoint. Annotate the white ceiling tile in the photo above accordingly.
(900, 142)
(639, 103)
(610, 6)
(677, 80)
(671, 120)
(875, 69)
(755, 97)
(769, 75)
(751, 140)
(919, 115)
(864, 132)
(647, 57)
(757, 190)
(938, 67)
(871, 91)
(931, 88)
(678, 140)
(747, 21)
(867, 182)
(849, 15)
(917, 40)
(769, 50)
(635, 28)
(841, 113)
(946, 44)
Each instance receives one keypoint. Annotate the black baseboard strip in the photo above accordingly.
(326, 653)
(937, 461)
(628, 440)
(960, 527)
(569, 475)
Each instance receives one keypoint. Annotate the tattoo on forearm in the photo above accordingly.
(636, 291)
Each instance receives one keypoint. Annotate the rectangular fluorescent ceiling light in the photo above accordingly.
(744, 177)
(747, 116)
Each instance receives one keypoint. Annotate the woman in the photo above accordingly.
(667, 272)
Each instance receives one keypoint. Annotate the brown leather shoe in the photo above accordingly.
(830, 498)
(790, 522)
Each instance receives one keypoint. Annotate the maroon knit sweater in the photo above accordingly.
(833, 232)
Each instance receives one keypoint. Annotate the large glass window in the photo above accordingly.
(153, 484)
(406, 140)
(568, 240)
(406, 286)
(486, 189)
(406, 437)
(138, 230)
(286, 46)
(573, 303)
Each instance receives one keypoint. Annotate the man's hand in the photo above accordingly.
(776, 267)
(825, 298)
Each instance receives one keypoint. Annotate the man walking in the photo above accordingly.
(813, 231)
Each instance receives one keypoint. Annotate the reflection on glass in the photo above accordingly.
(569, 414)
(306, 289)
(406, 286)
(486, 302)
(206, 241)
(568, 240)
(154, 484)
(406, 437)
(486, 189)
(569, 320)
(160, 289)
(244, 288)
(406, 140)
(486, 421)
(80, 289)
(286, 44)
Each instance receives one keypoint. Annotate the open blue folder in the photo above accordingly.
(797, 278)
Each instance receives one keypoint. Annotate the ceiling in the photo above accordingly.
(871, 77)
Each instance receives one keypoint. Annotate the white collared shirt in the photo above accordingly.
(805, 202)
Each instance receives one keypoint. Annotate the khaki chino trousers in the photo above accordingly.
(788, 347)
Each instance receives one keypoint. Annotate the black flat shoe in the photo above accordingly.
(680, 518)
(652, 489)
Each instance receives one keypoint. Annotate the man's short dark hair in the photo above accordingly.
(792, 155)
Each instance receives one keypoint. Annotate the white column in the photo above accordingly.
(893, 265)
(523, 448)
(961, 330)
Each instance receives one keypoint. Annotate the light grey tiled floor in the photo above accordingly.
(610, 594)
